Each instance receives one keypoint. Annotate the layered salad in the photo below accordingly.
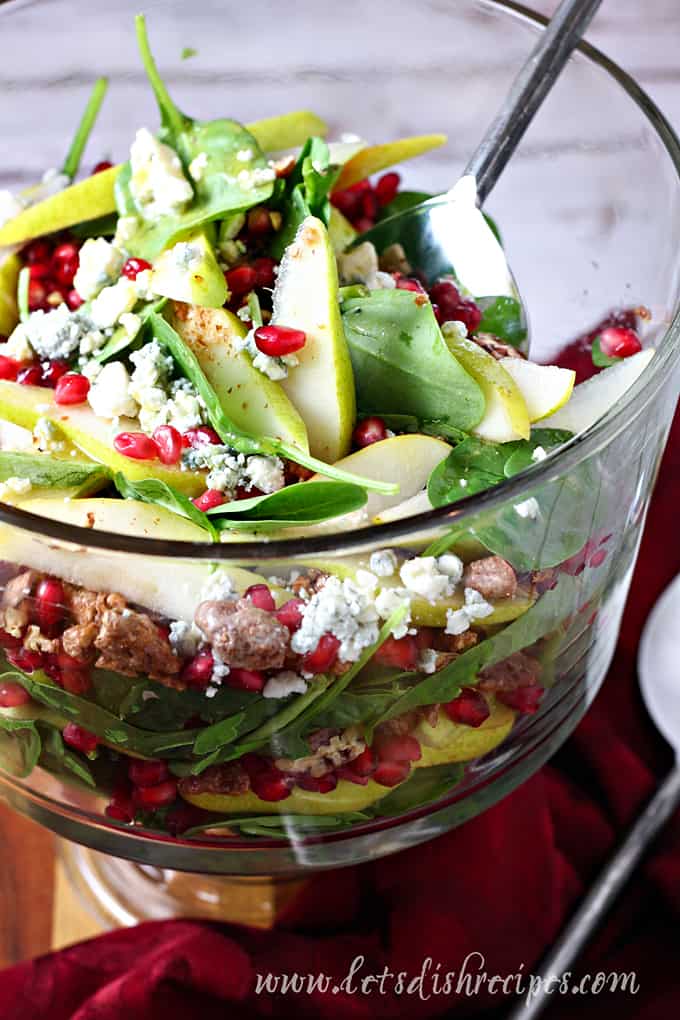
(197, 346)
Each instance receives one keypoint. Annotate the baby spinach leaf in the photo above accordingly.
(20, 745)
(47, 472)
(57, 758)
(522, 456)
(84, 130)
(159, 493)
(504, 318)
(402, 364)
(600, 359)
(428, 427)
(422, 787)
(303, 503)
(401, 202)
(305, 193)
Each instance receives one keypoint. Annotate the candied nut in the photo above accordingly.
(492, 577)
(243, 635)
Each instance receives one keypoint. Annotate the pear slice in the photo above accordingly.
(171, 587)
(378, 157)
(506, 417)
(418, 504)
(188, 271)
(340, 231)
(545, 388)
(9, 276)
(594, 397)
(256, 403)
(321, 386)
(26, 405)
(449, 742)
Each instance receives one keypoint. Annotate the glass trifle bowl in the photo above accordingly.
(317, 756)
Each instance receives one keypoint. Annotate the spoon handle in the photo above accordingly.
(602, 894)
(532, 84)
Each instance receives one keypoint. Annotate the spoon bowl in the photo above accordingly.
(659, 665)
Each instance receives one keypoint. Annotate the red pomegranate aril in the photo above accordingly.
(74, 300)
(39, 270)
(370, 430)
(347, 202)
(183, 817)
(264, 271)
(74, 679)
(363, 224)
(242, 492)
(9, 368)
(470, 708)
(361, 187)
(445, 294)
(390, 773)
(199, 670)
(365, 764)
(9, 640)
(24, 660)
(254, 765)
(409, 283)
(240, 280)
(52, 372)
(470, 314)
(323, 656)
(72, 388)
(370, 205)
(259, 222)
(169, 443)
(103, 164)
(37, 295)
(209, 500)
(397, 748)
(80, 739)
(260, 596)
(199, 436)
(147, 773)
(13, 695)
(345, 772)
(618, 342)
(246, 679)
(270, 785)
(156, 796)
(120, 807)
(30, 376)
(525, 700)
(386, 187)
(135, 445)
(318, 784)
(598, 558)
(133, 267)
(49, 603)
(37, 251)
(400, 652)
(65, 263)
(290, 614)
(279, 340)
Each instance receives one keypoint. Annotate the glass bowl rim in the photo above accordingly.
(380, 535)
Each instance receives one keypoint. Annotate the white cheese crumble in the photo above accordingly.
(383, 562)
(528, 508)
(538, 454)
(109, 395)
(341, 608)
(15, 487)
(387, 601)
(455, 328)
(113, 302)
(18, 347)
(229, 470)
(475, 608)
(157, 182)
(185, 638)
(131, 323)
(452, 566)
(218, 588)
(144, 285)
(161, 401)
(99, 265)
(198, 165)
(283, 684)
(422, 576)
(126, 228)
(220, 669)
(249, 179)
(427, 661)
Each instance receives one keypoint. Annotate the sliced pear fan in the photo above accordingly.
(593, 398)
(545, 388)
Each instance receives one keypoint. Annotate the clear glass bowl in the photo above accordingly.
(590, 213)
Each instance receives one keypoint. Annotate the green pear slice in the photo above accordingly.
(189, 271)
(373, 158)
(545, 388)
(418, 504)
(26, 405)
(256, 403)
(321, 386)
(506, 417)
(340, 231)
(594, 397)
(171, 587)
(9, 276)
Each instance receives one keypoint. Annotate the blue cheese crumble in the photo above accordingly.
(228, 470)
(157, 182)
(342, 608)
(475, 607)
(99, 265)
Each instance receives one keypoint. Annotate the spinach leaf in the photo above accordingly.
(305, 193)
(600, 359)
(103, 226)
(44, 471)
(121, 339)
(280, 826)
(401, 202)
(422, 787)
(402, 364)
(504, 318)
(57, 758)
(429, 427)
(84, 130)
(229, 182)
(521, 456)
(159, 493)
(303, 503)
(20, 745)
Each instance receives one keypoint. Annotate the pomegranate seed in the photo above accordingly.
(470, 314)
(524, 699)
(52, 372)
(249, 493)
(361, 187)
(133, 267)
(240, 280)
(390, 773)
(290, 614)
(259, 222)
(363, 224)
(425, 637)
(38, 251)
(49, 603)
(147, 773)
(9, 368)
(260, 596)
(470, 708)
(386, 187)
(318, 784)
(264, 271)
(399, 652)
(9, 640)
(37, 295)
(120, 807)
(156, 796)
(370, 205)
(65, 263)
(348, 202)
(370, 430)
(135, 445)
(169, 443)
(254, 765)
(24, 660)
(397, 748)
(75, 681)
(210, 499)
(279, 340)
(40, 270)
(199, 436)
(270, 785)
(409, 283)
(13, 695)
(74, 300)
(72, 388)
(30, 376)
(103, 164)
(183, 817)
(199, 670)
(345, 772)
(576, 564)
(618, 342)
(365, 764)
(323, 656)
(79, 738)
(246, 679)
(445, 294)
(598, 558)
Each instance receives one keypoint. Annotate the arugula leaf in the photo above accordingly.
(422, 787)
(57, 758)
(600, 359)
(303, 503)
(121, 339)
(504, 318)
(44, 471)
(159, 493)
(402, 364)
(20, 745)
(84, 130)
(305, 193)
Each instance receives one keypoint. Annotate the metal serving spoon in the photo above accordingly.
(449, 232)
(659, 671)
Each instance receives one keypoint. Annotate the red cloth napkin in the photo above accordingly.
(499, 888)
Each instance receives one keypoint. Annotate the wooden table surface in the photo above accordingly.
(36, 910)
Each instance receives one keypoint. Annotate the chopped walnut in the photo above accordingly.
(309, 582)
(495, 347)
(15, 611)
(339, 749)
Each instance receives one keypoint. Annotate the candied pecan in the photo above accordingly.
(89, 606)
(15, 612)
(131, 644)
(399, 726)
(228, 780)
(495, 347)
(492, 577)
(78, 641)
(394, 260)
(518, 670)
(430, 713)
(309, 582)
(243, 635)
(458, 643)
(296, 472)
